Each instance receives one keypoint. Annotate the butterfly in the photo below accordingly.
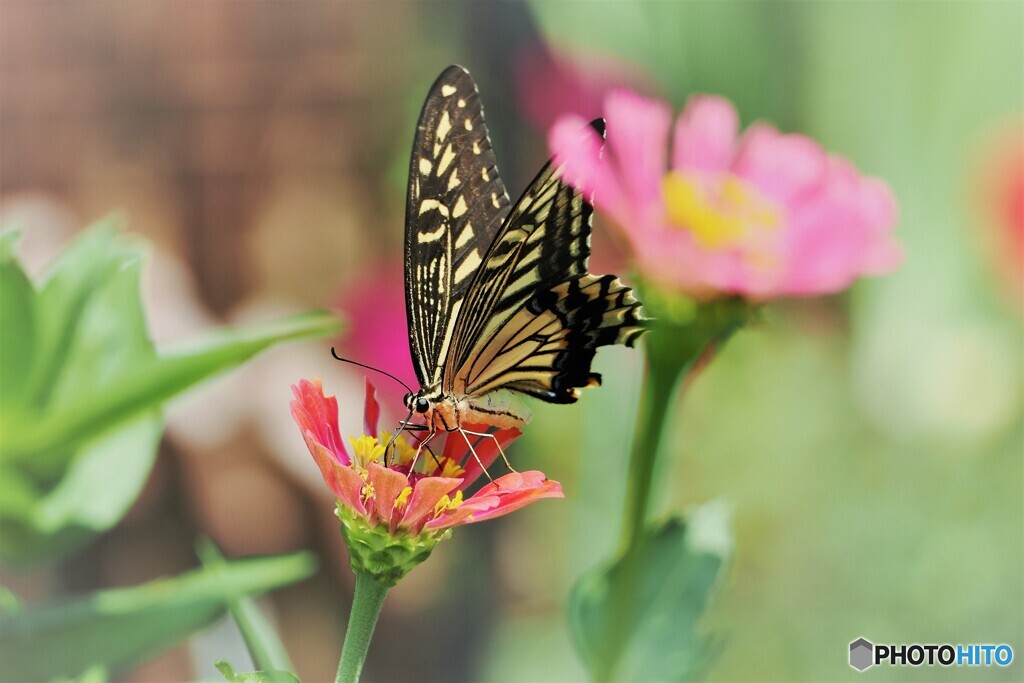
(498, 297)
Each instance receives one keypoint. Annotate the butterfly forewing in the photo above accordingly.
(498, 299)
(455, 206)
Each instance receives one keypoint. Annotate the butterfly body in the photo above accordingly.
(498, 297)
(501, 409)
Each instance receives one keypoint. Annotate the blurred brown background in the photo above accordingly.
(870, 443)
(261, 147)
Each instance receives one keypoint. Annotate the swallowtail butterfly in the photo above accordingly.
(498, 297)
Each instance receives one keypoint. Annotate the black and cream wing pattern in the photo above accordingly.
(455, 206)
(500, 298)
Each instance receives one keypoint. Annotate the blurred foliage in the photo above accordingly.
(115, 628)
(677, 566)
(82, 387)
(266, 649)
(271, 676)
(871, 443)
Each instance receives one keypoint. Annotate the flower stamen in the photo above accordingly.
(365, 449)
(403, 498)
(719, 213)
(446, 503)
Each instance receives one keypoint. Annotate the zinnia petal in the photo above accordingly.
(705, 135)
(500, 497)
(425, 495)
(638, 130)
(317, 416)
(839, 233)
(781, 166)
(343, 481)
(371, 410)
(576, 150)
(387, 485)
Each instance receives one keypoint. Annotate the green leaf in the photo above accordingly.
(9, 603)
(116, 628)
(83, 386)
(637, 620)
(272, 676)
(265, 647)
(128, 451)
(74, 287)
(95, 674)
(17, 321)
(150, 384)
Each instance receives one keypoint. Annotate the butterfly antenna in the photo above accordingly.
(370, 367)
(405, 422)
(394, 437)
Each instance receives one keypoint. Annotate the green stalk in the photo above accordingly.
(660, 384)
(682, 332)
(661, 380)
(265, 648)
(366, 604)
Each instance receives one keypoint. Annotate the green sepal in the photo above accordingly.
(373, 550)
(682, 328)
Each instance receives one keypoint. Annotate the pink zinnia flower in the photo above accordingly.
(762, 214)
(403, 506)
(550, 85)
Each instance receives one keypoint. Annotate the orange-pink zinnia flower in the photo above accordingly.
(1000, 185)
(393, 495)
(762, 214)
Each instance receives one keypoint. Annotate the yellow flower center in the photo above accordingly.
(368, 492)
(451, 469)
(403, 498)
(718, 213)
(447, 503)
(365, 449)
(401, 452)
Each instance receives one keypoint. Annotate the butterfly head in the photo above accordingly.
(417, 403)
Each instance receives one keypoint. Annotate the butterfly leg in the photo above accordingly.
(496, 443)
(423, 444)
(473, 451)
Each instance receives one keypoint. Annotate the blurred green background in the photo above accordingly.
(869, 445)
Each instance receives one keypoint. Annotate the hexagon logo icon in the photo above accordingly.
(862, 654)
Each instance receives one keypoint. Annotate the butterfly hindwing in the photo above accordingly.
(546, 348)
(455, 206)
(534, 317)
(545, 239)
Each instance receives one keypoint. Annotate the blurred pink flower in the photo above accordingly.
(550, 86)
(376, 331)
(762, 214)
(393, 495)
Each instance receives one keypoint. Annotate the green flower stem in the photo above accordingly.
(660, 384)
(366, 606)
(682, 332)
(666, 366)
